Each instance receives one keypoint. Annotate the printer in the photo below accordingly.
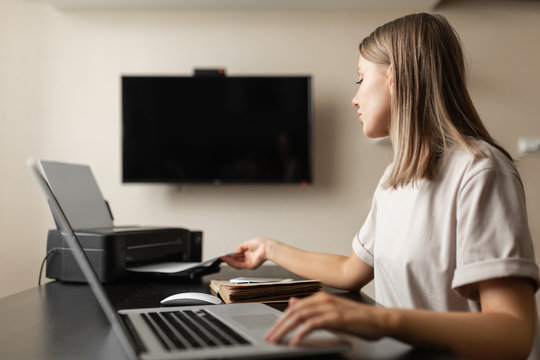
(110, 249)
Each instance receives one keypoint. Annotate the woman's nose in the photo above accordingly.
(355, 100)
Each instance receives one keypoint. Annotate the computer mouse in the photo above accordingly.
(191, 298)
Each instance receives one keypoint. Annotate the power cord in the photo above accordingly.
(49, 253)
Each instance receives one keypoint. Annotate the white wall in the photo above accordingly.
(59, 100)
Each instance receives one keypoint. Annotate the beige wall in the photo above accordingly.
(59, 100)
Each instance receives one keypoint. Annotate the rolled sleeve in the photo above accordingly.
(493, 238)
(364, 254)
(467, 275)
(364, 242)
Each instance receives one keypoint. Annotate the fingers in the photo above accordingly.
(245, 260)
(248, 255)
(324, 311)
(305, 316)
(233, 257)
(237, 261)
(240, 249)
(307, 327)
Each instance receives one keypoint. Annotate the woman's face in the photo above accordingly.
(372, 100)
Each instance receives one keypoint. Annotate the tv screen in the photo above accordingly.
(216, 129)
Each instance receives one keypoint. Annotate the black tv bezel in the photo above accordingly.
(216, 181)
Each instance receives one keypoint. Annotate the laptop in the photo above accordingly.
(227, 331)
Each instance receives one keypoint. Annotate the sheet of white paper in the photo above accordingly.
(167, 267)
(172, 267)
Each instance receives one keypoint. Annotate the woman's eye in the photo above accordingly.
(359, 81)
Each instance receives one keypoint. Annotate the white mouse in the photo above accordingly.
(191, 298)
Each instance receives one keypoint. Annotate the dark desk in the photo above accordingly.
(64, 321)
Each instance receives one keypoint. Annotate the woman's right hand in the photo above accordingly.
(250, 254)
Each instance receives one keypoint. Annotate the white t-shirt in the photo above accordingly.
(429, 242)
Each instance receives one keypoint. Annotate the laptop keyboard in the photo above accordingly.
(187, 329)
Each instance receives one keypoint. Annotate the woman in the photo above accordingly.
(447, 239)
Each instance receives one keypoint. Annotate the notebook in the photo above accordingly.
(266, 292)
(232, 331)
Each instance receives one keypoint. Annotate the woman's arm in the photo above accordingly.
(504, 329)
(349, 273)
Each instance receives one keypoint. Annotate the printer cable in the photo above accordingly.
(49, 253)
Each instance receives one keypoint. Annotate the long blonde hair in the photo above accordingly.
(431, 109)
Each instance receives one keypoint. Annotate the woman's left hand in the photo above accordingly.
(325, 311)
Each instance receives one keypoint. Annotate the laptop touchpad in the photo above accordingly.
(256, 321)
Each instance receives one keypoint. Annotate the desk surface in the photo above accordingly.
(64, 321)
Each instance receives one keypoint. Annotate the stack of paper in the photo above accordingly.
(263, 292)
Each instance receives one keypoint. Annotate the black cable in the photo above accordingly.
(52, 251)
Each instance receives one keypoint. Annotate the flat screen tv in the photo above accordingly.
(216, 129)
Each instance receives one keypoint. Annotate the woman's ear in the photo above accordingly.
(390, 78)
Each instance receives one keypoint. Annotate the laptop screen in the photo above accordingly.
(81, 259)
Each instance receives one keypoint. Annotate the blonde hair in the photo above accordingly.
(431, 109)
